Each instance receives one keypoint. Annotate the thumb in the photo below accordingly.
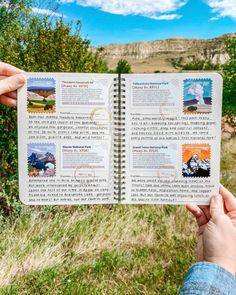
(217, 206)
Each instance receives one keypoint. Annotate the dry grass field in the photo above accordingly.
(101, 249)
(148, 65)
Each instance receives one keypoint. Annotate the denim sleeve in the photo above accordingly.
(208, 278)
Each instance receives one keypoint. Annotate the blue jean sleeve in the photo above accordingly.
(208, 278)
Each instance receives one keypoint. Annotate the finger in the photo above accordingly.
(10, 102)
(9, 70)
(201, 229)
(194, 209)
(12, 94)
(3, 77)
(11, 83)
(217, 206)
(206, 211)
(197, 213)
(229, 199)
(232, 216)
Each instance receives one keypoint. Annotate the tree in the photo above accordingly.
(11, 10)
(35, 43)
(123, 67)
(229, 73)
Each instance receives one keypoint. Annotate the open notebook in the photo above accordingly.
(107, 138)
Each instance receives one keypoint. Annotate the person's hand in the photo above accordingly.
(11, 78)
(217, 230)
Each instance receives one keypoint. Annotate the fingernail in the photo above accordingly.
(21, 79)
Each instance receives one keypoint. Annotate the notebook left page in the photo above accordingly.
(65, 139)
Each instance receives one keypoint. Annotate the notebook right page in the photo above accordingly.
(172, 137)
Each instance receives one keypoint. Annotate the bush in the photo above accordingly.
(123, 67)
(229, 73)
(35, 43)
(201, 65)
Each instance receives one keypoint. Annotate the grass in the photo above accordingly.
(37, 104)
(96, 250)
(48, 102)
(101, 249)
(228, 164)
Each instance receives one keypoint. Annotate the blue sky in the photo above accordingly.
(122, 21)
(41, 82)
(41, 148)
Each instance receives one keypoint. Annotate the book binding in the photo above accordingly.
(119, 138)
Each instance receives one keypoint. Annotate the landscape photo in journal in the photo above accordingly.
(41, 95)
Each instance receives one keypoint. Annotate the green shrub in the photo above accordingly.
(229, 70)
(201, 65)
(35, 43)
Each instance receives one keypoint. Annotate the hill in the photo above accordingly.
(161, 55)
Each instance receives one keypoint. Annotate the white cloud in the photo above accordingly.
(46, 12)
(223, 8)
(214, 18)
(167, 17)
(155, 9)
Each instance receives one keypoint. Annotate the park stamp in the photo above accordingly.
(41, 159)
(83, 173)
(196, 160)
(100, 116)
(197, 96)
(41, 95)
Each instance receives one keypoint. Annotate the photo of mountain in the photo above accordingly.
(41, 160)
(196, 160)
(41, 95)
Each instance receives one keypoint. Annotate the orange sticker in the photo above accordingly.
(196, 160)
(202, 150)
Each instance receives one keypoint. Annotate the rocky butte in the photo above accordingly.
(162, 55)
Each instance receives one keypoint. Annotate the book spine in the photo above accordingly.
(119, 139)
